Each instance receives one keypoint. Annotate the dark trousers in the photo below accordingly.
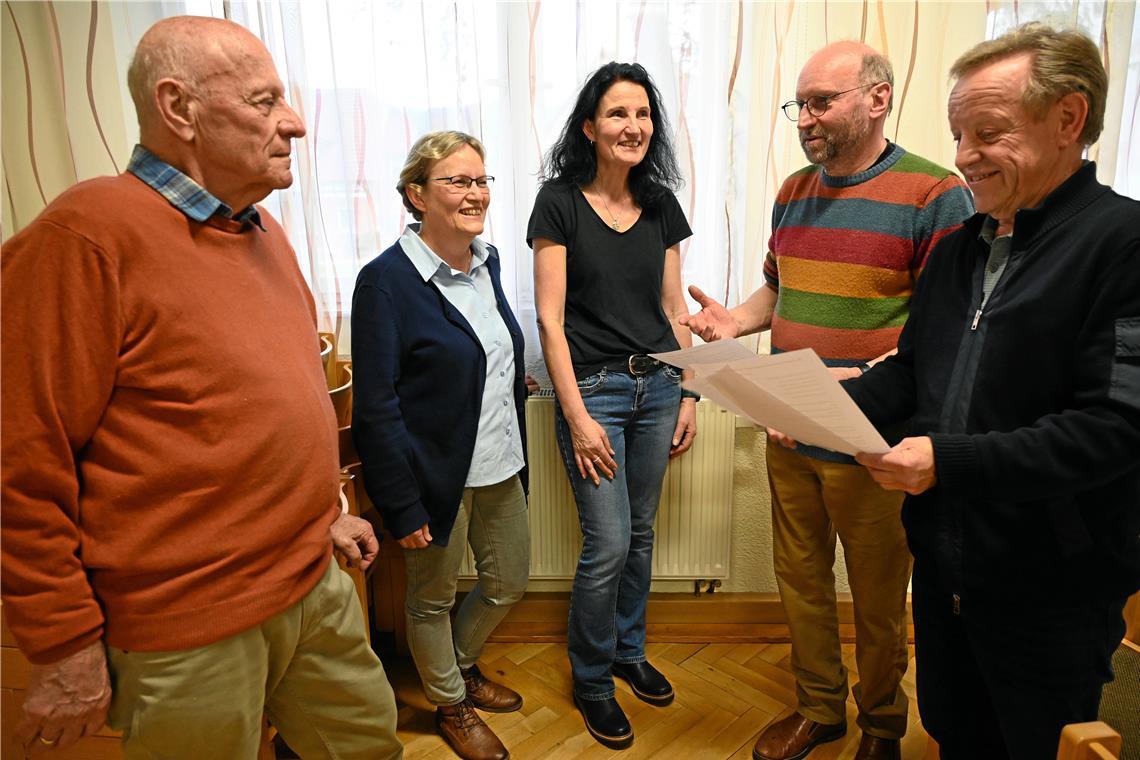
(1001, 680)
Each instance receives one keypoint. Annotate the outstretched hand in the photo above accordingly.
(713, 321)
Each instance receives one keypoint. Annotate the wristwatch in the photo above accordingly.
(685, 393)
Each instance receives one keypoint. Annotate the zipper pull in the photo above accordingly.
(977, 318)
(958, 599)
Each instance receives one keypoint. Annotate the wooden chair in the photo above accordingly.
(328, 354)
(386, 576)
(341, 394)
(359, 577)
(1132, 621)
(1088, 741)
(333, 357)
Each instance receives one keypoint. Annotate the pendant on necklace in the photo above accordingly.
(615, 224)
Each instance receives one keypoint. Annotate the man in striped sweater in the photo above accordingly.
(850, 234)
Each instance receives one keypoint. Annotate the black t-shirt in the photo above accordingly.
(613, 279)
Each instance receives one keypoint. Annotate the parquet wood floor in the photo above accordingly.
(726, 693)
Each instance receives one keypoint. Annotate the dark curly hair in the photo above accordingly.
(572, 160)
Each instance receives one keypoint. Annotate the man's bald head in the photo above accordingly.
(211, 105)
(853, 59)
(189, 49)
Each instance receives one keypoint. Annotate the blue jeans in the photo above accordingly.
(611, 585)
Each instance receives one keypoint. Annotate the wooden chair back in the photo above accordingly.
(341, 394)
(328, 354)
(1089, 741)
(333, 356)
(1132, 620)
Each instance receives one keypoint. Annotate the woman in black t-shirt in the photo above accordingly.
(606, 230)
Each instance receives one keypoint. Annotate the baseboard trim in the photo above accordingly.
(721, 618)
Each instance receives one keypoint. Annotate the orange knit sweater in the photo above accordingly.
(169, 448)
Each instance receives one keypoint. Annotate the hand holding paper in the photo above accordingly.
(791, 392)
(907, 467)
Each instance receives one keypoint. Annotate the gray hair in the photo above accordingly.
(876, 68)
(1063, 62)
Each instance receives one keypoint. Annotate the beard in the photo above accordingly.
(836, 140)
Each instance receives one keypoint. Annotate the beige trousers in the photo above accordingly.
(493, 520)
(812, 502)
(309, 669)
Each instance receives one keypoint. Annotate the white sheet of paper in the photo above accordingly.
(791, 392)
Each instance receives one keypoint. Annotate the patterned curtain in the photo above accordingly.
(370, 76)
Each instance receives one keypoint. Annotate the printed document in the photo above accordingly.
(791, 392)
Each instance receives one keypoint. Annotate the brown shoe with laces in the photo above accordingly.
(467, 734)
(488, 695)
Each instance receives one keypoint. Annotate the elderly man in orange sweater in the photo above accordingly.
(170, 452)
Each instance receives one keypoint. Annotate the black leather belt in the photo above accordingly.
(636, 365)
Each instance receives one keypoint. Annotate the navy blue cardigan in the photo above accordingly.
(418, 376)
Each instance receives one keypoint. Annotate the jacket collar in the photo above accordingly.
(1071, 196)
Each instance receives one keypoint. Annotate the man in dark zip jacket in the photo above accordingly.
(1019, 368)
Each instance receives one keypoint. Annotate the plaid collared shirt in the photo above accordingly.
(184, 194)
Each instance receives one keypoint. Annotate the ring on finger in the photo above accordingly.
(596, 459)
(45, 741)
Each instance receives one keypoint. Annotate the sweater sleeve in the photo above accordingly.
(945, 207)
(62, 329)
(1090, 442)
(378, 428)
(887, 392)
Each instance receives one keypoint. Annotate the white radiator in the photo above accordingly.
(693, 520)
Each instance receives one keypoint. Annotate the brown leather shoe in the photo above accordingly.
(467, 734)
(793, 737)
(488, 695)
(874, 748)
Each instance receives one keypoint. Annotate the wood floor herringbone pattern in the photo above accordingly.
(726, 693)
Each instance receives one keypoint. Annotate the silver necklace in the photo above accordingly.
(616, 223)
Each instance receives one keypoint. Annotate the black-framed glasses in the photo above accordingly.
(817, 105)
(461, 183)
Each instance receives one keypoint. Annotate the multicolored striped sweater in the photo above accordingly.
(845, 253)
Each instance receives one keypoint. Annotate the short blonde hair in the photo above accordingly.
(1063, 61)
(432, 147)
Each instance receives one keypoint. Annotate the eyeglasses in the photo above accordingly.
(461, 184)
(817, 105)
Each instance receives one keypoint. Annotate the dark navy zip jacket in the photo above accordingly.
(1032, 405)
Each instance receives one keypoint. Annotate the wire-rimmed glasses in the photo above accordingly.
(461, 183)
(817, 105)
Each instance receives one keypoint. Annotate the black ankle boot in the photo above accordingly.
(646, 681)
(606, 722)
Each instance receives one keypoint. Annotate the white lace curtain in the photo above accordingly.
(370, 76)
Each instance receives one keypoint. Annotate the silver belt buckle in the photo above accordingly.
(647, 361)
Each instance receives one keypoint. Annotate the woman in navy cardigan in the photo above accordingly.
(439, 425)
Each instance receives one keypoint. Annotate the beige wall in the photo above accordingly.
(65, 114)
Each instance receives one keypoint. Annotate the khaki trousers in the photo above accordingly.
(812, 502)
(493, 520)
(309, 669)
